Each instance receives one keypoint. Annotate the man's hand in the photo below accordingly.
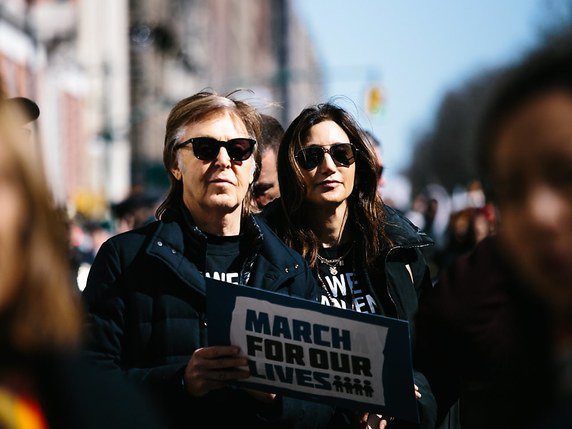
(211, 368)
(374, 421)
(267, 398)
(377, 421)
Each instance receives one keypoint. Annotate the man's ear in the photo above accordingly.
(176, 172)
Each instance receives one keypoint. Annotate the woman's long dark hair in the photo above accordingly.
(366, 215)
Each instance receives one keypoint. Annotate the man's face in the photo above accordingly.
(219, 185)
(266, 188)
(532, 167)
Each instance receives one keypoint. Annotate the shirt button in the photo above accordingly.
(159, 243)
(286, 269)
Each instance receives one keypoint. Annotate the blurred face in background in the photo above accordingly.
(532, 164)
(266, 188)
(11, 227)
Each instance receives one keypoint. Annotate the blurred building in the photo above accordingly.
(180, 47)
(71, 57)
(22, 60)
(105, 74)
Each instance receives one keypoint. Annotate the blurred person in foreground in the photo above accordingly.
(526, 154)
(146, 289)
(44, 383)
(22, 113)
(501, 318)
(23, 110)
(331, 212)
(265, 188)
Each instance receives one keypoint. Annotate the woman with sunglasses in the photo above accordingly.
(146, 292)
(365, 256)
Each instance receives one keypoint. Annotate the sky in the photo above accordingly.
(415, 51)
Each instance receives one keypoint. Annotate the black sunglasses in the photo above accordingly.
(207, 148)
(312, 156)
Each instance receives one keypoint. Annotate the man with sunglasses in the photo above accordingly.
(146, 290)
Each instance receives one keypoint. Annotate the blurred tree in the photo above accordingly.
(445, 153)
(558, 15)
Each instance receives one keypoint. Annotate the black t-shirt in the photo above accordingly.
(223, 258)
(336, 276)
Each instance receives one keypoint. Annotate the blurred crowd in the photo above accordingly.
(86, 235)
(456, 222)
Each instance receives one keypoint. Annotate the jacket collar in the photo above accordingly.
(177, 231)
(249, 229)
(403, 232)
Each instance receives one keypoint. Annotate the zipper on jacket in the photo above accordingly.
(388, 283)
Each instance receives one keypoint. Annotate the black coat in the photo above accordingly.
(407, 277)
(146, 306)
(485, 339)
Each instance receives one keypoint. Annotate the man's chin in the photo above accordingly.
(223, 203)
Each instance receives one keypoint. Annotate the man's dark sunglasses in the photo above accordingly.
(312, 156)
(207, 148)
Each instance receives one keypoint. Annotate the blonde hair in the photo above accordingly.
(45, 310)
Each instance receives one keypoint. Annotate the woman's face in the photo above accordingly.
(11, 224)
(532, 164)
(330, 183)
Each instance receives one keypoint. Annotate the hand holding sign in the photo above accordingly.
(211, 368)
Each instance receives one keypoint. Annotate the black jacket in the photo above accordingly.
(406, 278)
(485, 339)
(146, 304)
(406, 270)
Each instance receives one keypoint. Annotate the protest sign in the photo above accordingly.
(311, 351)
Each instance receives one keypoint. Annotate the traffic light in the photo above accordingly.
(374, 101)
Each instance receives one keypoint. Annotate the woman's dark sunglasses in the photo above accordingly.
(207, 148)
(312, 156)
